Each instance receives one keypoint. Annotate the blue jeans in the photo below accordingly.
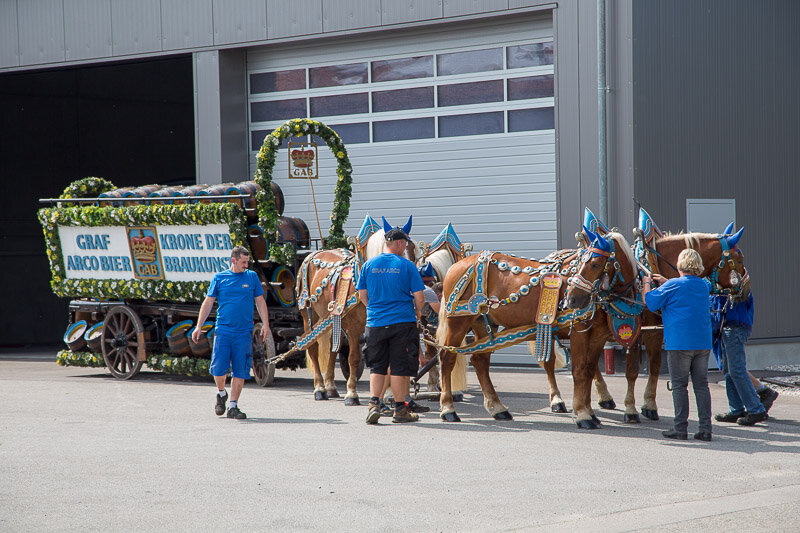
(741, 393)
(682, 364)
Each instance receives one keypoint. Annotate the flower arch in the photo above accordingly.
(268, 214)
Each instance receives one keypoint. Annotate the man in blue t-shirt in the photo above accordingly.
(234, 290)
(391, 288)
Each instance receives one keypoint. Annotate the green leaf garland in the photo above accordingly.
(90, 187)
(268, 214)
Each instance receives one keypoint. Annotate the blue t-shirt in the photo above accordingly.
(684, 309)
(390, 281)
(235, 294)
(739, 314)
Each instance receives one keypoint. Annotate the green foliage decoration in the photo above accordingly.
(268, 214)
(139, 215)
(90, 187)
(162, 362)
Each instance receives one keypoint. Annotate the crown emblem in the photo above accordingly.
(144, 248)
(302, 158)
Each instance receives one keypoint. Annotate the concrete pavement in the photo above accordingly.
(80, 450)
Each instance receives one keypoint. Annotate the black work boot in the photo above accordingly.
(219, 408)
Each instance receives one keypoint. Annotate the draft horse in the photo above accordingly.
(326, 279)
(723, 265)
(503, 291)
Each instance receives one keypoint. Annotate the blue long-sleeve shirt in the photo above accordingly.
(739, 314)
(683, 303)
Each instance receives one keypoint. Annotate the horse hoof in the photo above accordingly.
(351, 401)
(650, 414)
(631, 419)
(333, 393)
(588, 424)
(559, 407)
(503, 415)
(458, 397)
(608, 404)
(450, 417)
(320, 395)
(596, 420)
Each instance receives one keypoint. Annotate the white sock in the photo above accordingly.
(233, 404)
(761, 387)
(222, 393)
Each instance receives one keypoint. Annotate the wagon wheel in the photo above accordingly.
(263, 370)
(123, 342)
(344, 361)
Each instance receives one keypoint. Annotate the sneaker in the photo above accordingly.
(417, 408)
(403, 415)
(672, 434)
(703, 435)
(729, 417)
(219, 408)
(374, 413)
(234, 412)
(768, 397)
(751, 419)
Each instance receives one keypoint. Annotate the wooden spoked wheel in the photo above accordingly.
(263, 370)
(123, 342)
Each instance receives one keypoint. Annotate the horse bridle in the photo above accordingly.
(737, 287)
(593, 288)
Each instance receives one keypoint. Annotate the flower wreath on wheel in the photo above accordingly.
(268, 214)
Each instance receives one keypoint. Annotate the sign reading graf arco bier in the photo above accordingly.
(172, 253)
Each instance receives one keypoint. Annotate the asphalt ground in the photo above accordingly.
(81, 451)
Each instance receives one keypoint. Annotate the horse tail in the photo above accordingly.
(441, 329)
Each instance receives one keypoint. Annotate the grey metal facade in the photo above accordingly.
(48, 33)
(717, 116)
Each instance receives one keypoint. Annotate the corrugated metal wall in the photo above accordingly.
(47, 32)
(716, 115)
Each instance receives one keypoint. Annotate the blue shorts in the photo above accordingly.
(232, 352)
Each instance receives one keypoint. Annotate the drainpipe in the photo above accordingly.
(602, 90)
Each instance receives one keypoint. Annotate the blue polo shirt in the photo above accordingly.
(235, 294)
(390, 281)
(683, 303)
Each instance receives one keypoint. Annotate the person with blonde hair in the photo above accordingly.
(683, 303)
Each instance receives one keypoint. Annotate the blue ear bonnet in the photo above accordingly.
(406, 228)
(598, 241)
(427, 271)
(728, 229)
(734, 239)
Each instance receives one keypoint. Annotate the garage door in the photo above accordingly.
(450, 126)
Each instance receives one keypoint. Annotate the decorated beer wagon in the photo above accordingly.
(137, 262)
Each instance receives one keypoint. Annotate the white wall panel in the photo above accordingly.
(186, 24)
(9, 38)
(299, 17)
(41, 31)
(240, 21)
(454, 8)
(87, 29)
(135, 26)
(338, 15)
(396, 12)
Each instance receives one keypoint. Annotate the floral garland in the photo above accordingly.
(140, 215)
(90, 187)
(162, 362)
(268, 214)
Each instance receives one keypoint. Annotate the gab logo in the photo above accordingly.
(143, 243)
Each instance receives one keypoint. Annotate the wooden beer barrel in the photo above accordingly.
(176, 338)
(165, 192)
(73, 337)
(93, 338)
(116, 193)
(184, 193)
(294, 230)
(142, 192)
(258, 244)
(284, 294)
(214, 190)
(202, 348)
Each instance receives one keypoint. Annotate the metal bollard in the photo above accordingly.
(608, 355)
